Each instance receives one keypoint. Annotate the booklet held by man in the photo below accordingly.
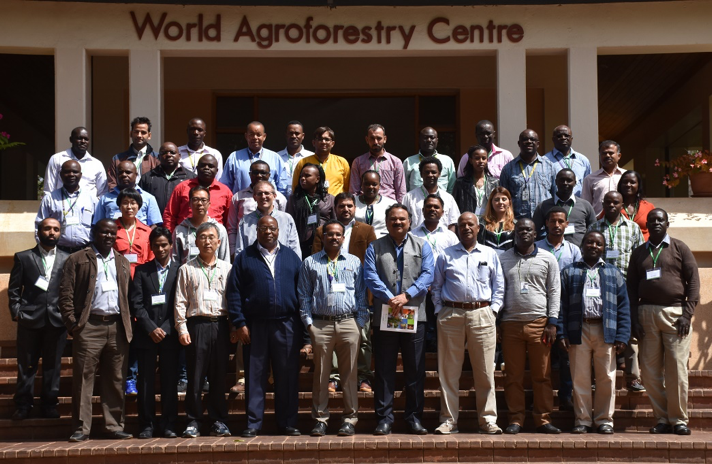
(404, 320)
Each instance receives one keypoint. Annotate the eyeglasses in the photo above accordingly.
(204, 201)
(206, 238)
(267, 229)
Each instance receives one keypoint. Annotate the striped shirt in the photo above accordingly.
(622, 238)
(529, 184)
(243, 203)
(576, 161)
(73, 210)
(196, 282)
(388, 166)
(316, 283)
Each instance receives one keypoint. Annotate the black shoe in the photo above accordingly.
(661, 428)
(118, 435)
(579, 429)
(319, 429)
(219, 429)
(417, 428)
(250, 433)
(170, 434)
(565, 404)
(605, 429)
(21, 414)
(681, 429)
(146, 433)
(513, 429)
(346, 430)
(77, 437)
(548, 428)
(291, 432)
(50, 413)
(384, 428)
(182, 386)
(206, 386)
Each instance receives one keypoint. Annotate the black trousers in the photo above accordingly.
(207, 355)
(168, 368)
(47, 343)
(276, 342)
(385, 352)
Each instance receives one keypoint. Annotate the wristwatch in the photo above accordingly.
(407, 296)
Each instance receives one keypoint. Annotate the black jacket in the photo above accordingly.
(157, 184)
(33, 306)
(465, 193)
(149, 316)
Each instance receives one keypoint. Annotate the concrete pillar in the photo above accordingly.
(71, 97)
(146, 90)
(511, 97)
(583, 102)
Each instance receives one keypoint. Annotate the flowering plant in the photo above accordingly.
(5, 140)
(694, 162)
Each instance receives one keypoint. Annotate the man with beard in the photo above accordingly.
(388, 166)
(140, 152)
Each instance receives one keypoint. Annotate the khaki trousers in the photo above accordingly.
(603, 355)
(100, 348)
(343, 338)
(518, 339)
(365, 353)
(475, 329)
(664, 356)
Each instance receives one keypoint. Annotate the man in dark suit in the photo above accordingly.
(94, 303)
(33, 291)
(357, 236)
(153, 302)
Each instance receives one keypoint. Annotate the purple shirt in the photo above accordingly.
(388, 166)
(495, 162)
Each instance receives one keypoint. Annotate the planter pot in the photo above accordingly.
(701, 184)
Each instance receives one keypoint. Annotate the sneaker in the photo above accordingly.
(446, 428)
(635, 386)
(182, 386)
(131, 388)
(491, 428)
(333, 385)
(365, 386)
(191, 431)
(219, 429)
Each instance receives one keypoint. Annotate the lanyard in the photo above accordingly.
(162, 276)
(561, 203)
(499, 234)
(310, 204)
(208, 276)
(655, 258)
(592, 279)
(169, 176)
(519, 271)
(106, 266)
(133, 236)
(635, 211)
(531, 173)
(44, 265)
(553, 251)
(565, 159)
(70, 206)
(612, 235)
(369, 215)
(139, 159)
(427, 235)
(332, 269)
(190, 157)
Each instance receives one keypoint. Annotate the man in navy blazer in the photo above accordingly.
(33, 292)
(152, 304)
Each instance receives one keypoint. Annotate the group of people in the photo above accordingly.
(164, 259)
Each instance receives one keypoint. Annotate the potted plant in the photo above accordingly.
(697, 165)
(5, 140)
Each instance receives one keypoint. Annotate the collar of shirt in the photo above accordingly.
(558, 153)
(617, 171)
(557, 199)
(70, 195)
(202, 147)
(598, 263)
(537, 159)
(286, 150)
(257, 155)
(194, 182)
(265, 251)
(117, 190)
(422, 156)
(402, 243)
(563, 242)
(206, 265)
(666, 240)
(161, 268)
(439, 228)
(372, 156)
(110, 258)
(462, 248)
(83, 159)
(48, 254)
(350, 225)
(139, 152)
(532, 254)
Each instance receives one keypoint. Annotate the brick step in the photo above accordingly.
(61, 429)
(698, 399)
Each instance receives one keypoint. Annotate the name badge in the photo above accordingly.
(117, 215)
(132, 257)
(326, 184)
(312, 219)
(42, 283)
(158, 299)
(652, 274)
(194, 251)
(524, 289)
(109, 287)
(338, 288)
(593, 293)
(211, 295)
(570, 230)
(71, 220)
(612, 254)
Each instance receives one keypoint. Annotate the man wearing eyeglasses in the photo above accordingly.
(335, 167)
(202, 323)
(246, 233)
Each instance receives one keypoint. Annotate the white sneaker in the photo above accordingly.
(491, 429)
(446, 428)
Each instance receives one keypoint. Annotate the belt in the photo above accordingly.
(591, 320)
(470, 305)
(340, 317)
(208, 318)
(100, 318)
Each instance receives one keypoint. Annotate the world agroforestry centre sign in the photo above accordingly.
(439, 31)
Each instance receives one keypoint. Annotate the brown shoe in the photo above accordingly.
(239, 387)
(333, 385)
(365, 386)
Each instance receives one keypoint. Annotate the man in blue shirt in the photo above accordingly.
(530, 178)
(107, 208)
(563, 156)
(236, 174)
(398, 270)
(333, 303)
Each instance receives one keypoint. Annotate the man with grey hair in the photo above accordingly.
(467, 291)
(203, 328)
